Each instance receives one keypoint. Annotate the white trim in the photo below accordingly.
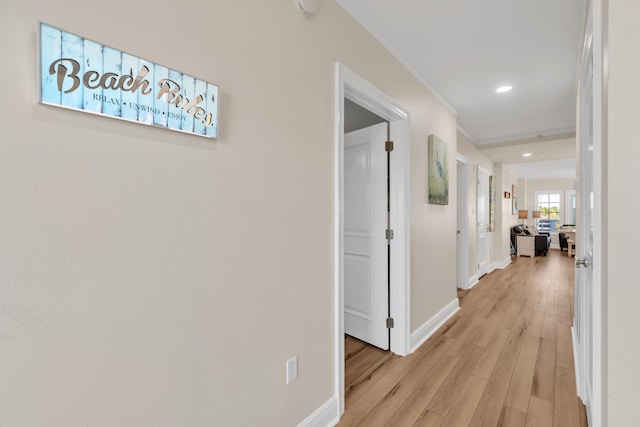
(429, 327)
(467, 134)
(462, 159)
(338, 239)
(400, 265)
(325, 416)
(352, 86)
(500, 265)
(473, 280)
(496, 265)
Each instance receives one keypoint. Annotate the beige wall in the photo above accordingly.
(153, 278)
(622, 151)
(433, 227)
(534, 185)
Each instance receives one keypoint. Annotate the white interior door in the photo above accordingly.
(483, 222)
(462, 233)
(583, 291)
(366, 294)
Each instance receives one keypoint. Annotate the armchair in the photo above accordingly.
(563, 240)
(543, 242)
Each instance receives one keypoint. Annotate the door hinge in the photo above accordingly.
(389, 322)
(389, 234)
(388, 146)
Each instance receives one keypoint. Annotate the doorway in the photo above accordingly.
(357, 90)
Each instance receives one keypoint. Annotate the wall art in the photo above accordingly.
(492, 203)
(438, 171)
(83, 75)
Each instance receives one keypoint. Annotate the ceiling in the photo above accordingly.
(357, 117)
(463, 50)
(551, 158)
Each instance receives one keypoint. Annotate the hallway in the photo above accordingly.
(505, 359)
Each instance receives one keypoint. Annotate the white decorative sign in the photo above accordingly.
(84, 75)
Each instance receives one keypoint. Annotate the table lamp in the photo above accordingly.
(523, 216)
(536, 215)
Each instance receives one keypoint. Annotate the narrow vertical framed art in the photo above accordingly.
(492, 203)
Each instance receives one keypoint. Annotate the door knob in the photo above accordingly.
(582, 262)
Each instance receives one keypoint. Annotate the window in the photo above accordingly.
(550, 207)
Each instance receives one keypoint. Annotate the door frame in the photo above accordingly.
(350, 85)
(462, 167)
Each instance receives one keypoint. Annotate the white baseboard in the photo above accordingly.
(325, 416)
(473, 280)
(429, 327)
(500, 265)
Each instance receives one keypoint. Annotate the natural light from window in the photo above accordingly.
(557, 208)
(549, 206)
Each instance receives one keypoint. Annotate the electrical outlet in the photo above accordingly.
(292, 369)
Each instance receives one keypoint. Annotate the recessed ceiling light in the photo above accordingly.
(503, 89)
(527, 155)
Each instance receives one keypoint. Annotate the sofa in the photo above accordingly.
(542, 240)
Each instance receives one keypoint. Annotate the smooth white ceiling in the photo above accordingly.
(550, 169)
(464, 49)
(552, 158)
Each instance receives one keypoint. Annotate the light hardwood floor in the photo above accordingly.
(505, 359)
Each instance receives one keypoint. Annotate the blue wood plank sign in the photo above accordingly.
(84, 75)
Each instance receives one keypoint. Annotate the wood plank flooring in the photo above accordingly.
(505, 359)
